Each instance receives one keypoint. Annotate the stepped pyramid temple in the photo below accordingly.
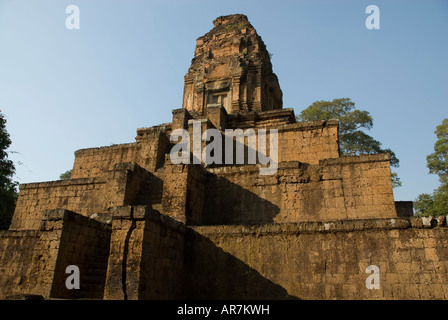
(283, 218)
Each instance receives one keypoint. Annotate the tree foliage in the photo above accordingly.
(423, 203)
(8, 188)
(66, 175)
(437, 161)
(436, 204)
(353, 140)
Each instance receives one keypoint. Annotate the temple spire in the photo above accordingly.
(231, 67)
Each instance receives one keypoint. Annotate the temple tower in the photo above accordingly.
(232, 68)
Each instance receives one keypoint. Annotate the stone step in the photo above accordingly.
(92, 288)
(97, 265)
(100, 259)
(96, 272)
(101, 280)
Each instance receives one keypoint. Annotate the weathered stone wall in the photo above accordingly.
(363, 181)
(196, 182)
(93, 162)
(319, 260)
(257, 119)
(119, 186)
(239, 195)
(16, 252)
(34, 262)
(308, 142)
(148, 152)
(84, 243)
(344, 188)
(183, 192)
(42, 269)
(174, 197)
(162, 258)
(304, 142)
(85, 196)
(124, 184)
(146, 255)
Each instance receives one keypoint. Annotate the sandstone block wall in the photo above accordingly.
(174, 197)
(238, 195)
(163, 259)
(123, 270)
(263, 119)
(146, 255)
(119, 186)
(148, 152)
(195, 194)
(93, 162)
(34, 262)
(84, 243)
(319, 260)
(304, 142)
(183, 192)
(16, 253)
(154, 257)
(85, 196)
(308, 142)
(344, 188)
(41, 272)
(365, 184)
(124, 184)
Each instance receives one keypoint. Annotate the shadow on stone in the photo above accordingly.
(228, 203)
(213, 274)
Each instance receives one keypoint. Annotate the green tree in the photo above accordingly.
(437, 161)
(352, 140)
(423, 203)
(436, 204)
(8, 188)
(66, 175)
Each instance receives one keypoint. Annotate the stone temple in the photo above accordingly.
(139, 226)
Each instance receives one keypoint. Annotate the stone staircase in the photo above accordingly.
(93, 284)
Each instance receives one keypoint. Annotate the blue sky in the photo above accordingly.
(62, 90)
